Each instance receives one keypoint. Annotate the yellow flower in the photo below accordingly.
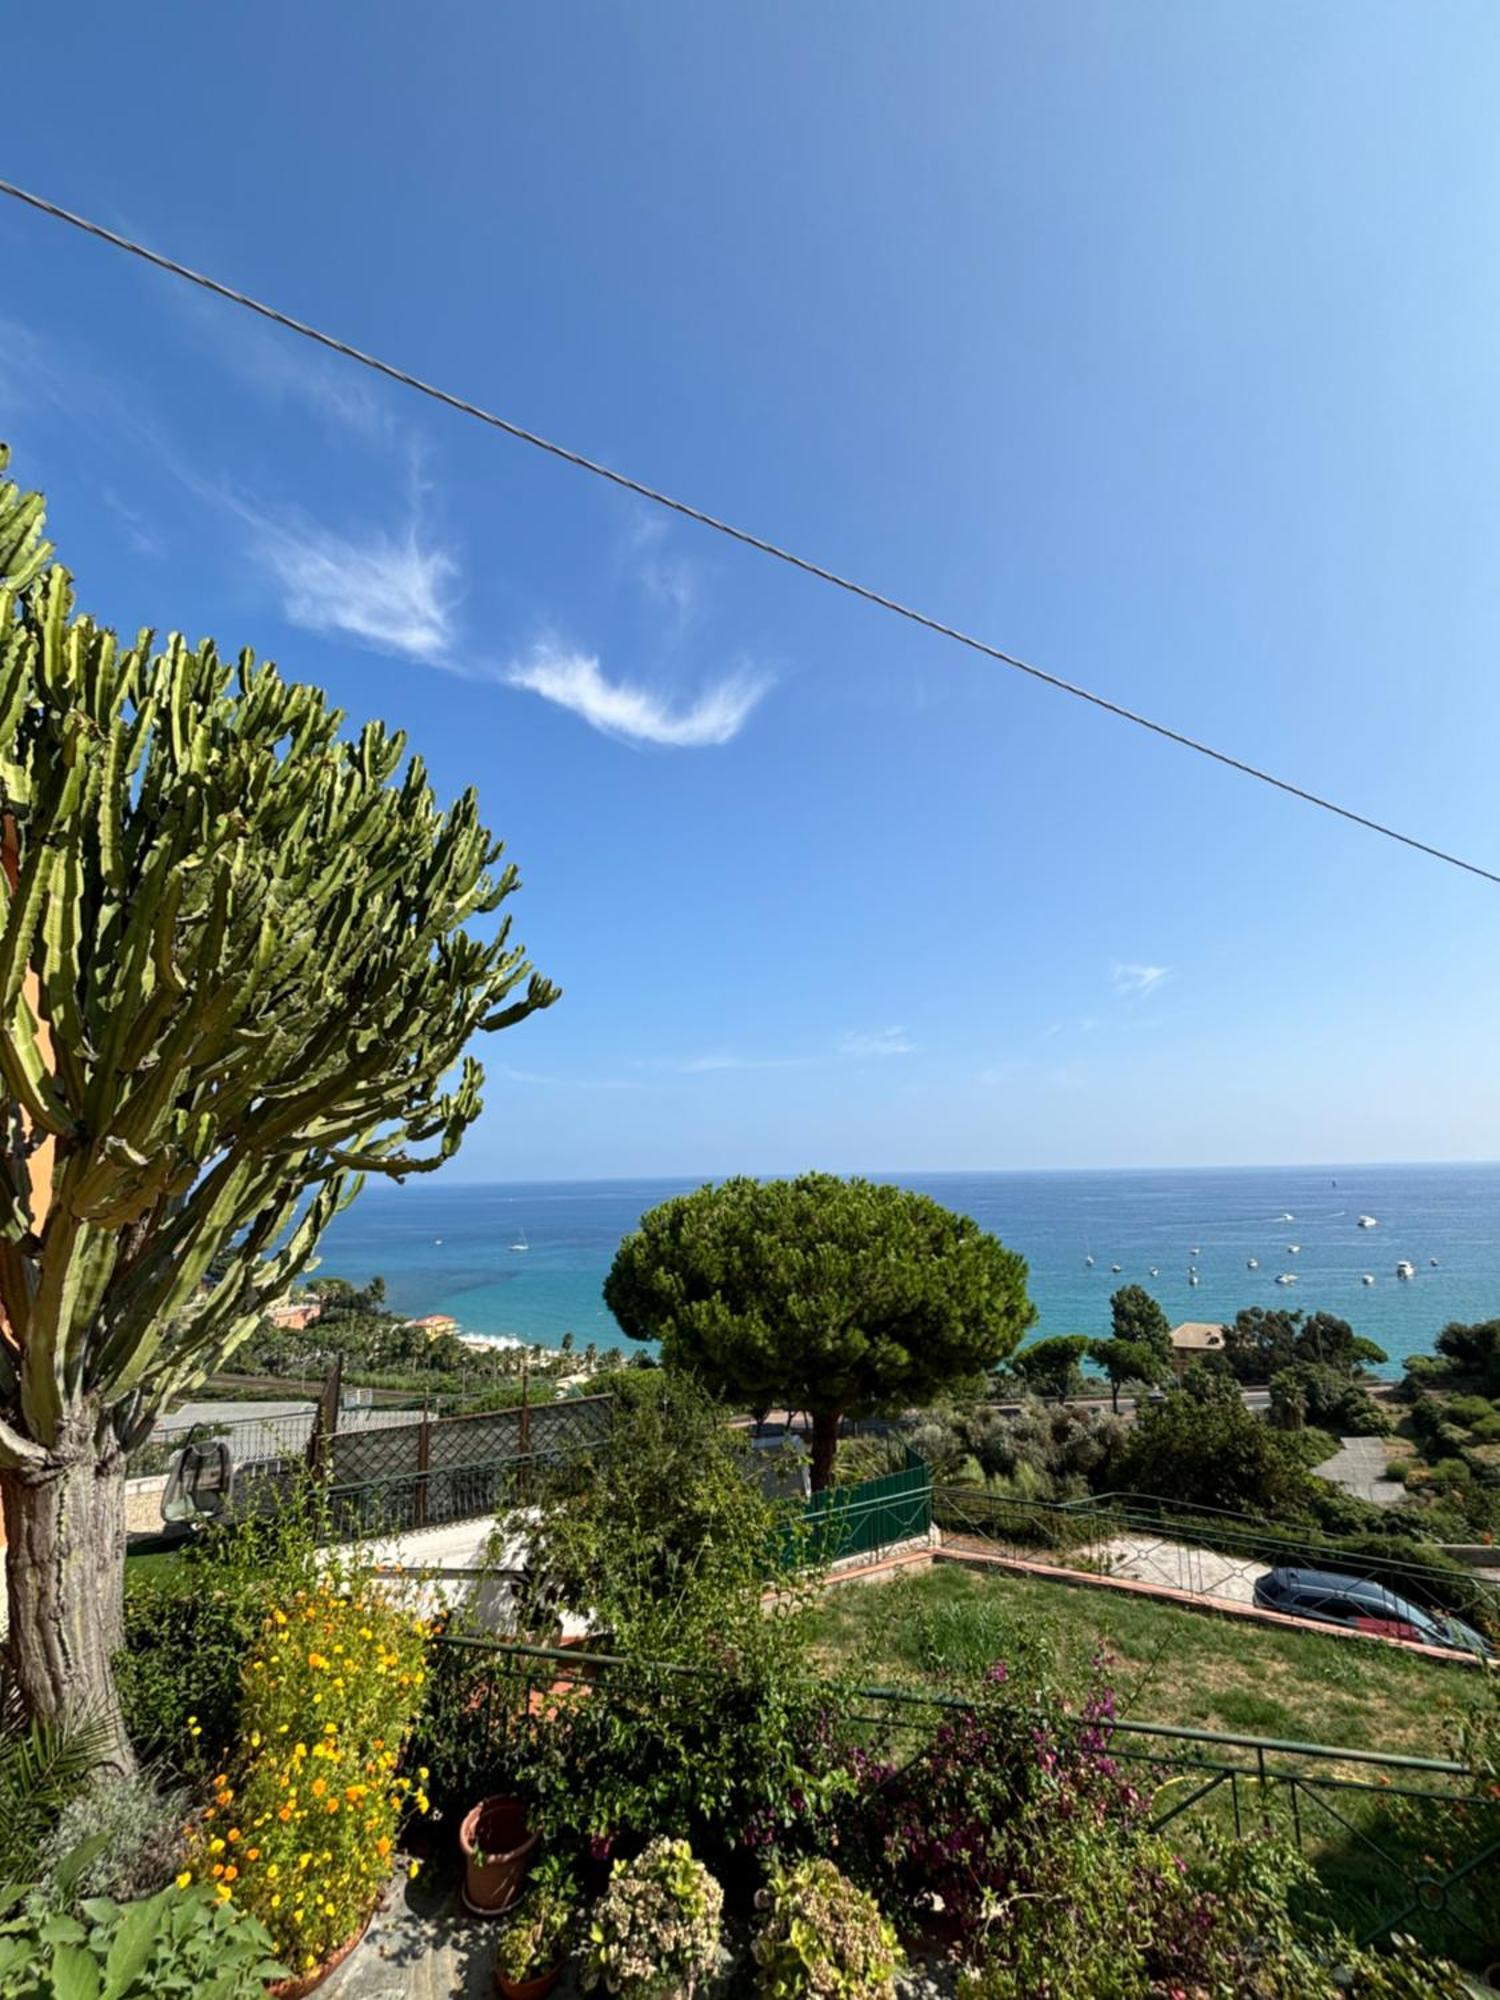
(185, 1879)
(413, 1869)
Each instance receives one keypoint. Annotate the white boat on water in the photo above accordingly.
(1405, 1269)
(1287, 1278)
(1287, 1215)
(1155, 1273)
(1252, 1263)
(1432, 1261)
(1089, 1261)
(1193, 1278)
(1368, 1222)
(1368, 1278)
(1117, 1267)
(1293, 1249)
(1195, 1251)
(520, 1243)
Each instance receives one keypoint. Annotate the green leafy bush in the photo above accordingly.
(189, 1631)
(43, 1767)
(654, 1933)
(181, 1945)
(823, 1939)
(540, 1935)
(134, 1833)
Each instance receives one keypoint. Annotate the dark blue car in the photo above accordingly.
(1362, 1605)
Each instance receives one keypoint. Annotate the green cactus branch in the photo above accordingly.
(236, 974)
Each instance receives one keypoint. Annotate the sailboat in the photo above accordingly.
(520, 1242)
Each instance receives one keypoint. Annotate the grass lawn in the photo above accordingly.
(1167, 1665)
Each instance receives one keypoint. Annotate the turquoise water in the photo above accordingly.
(446, 1249)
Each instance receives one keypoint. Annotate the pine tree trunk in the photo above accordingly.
(825, 1444)
(65, 1581)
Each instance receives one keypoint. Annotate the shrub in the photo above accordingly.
(661, 1531)
(824, 1939)
(302, 1826)
(655, 1931)
(953, 1829)
(43, 1766)
(134, 1836)
(181, 1945)
(540, 1934)
(1214, 1452)
(1469, 1410)
(189, 1630)
(1487, 1429)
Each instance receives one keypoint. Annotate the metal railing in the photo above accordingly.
(1169, 1541)
(1402, 1842)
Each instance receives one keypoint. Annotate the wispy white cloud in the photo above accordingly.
(285, 370)
(719, 1060)
(389, 592)
(1141, 979)
(139, 532)
(571, 1082)
(864, 1043)
(671, 581)
(633, 713)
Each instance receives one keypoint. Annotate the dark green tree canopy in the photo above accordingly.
(1127, 1361)
(1050, 1367)
(838, 1297)
(1135, 1316)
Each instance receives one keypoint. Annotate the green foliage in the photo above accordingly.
(661, 1533)
(189, 1631)
(1129, 1363)
(1214, 1453)
(541, 1932)
(823, 1939)
(839, 1297)
(1050, 1367)
(134, 1833)
(1309, 1392)
(655, 1931)
(1045, 1452)
(182, 1944)
(1137, 1318)
(248, 935)
(44, 1766)
(1473, 1352)
(1469, 1410)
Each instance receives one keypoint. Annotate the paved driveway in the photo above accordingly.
(1359, 1467)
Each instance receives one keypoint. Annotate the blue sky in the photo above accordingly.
(1155, 343)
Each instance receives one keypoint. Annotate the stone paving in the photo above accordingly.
(1359, 1467)
(423, 1947)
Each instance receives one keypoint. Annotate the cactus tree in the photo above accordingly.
(235, 977)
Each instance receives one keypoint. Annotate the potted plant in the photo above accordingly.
(497, 1847)
(654, 1932)
(823, 1936)
(535, 1944)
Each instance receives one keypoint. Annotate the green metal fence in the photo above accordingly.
(848, 1521)
(1402, 1843)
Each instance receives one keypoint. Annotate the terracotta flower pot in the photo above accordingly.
(302, 1983)
(528, 1989)
(497, 1849)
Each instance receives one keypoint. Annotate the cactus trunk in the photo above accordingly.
(65, 1534)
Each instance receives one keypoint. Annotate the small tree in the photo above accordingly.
(1137, 1318)
(1050, 1367)
(234, 977)
(1261, 1340)
(1129, 1361)
(838, 1297)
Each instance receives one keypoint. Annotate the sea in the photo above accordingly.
(449, 1248)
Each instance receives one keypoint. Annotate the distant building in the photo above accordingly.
(434, 1325)
(1193, 1339)
(292, 1315)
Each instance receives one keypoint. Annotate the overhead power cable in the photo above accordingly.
(743, 536)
